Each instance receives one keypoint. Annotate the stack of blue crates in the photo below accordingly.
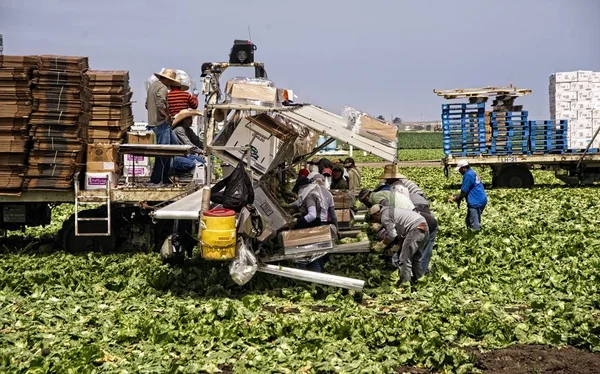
(463, 127)
(510, 133)
(548, 137)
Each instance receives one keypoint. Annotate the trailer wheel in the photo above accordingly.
(77, 244)
(515, 176)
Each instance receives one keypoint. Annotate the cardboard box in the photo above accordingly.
(317, 238)
(596, 113)
(269, 209)
(97, 181)
(102, 158)
(570, 76)
(131, 160)
(342, 199)
(264, 145)
(140, 137)
(137, 171)
(595, 86)
(581, 133)
(377, 130)
(581, 105)
(579, 124)
(579, 143)
(562, 105)
(199, 174)
(565, 114)
(563, 96)
(101, 166)
(585, 114)
(560, 87)
(596, 124)
(252, 92)
(584, 95)
(596, 96)
(344, 215)
(596, 77)
(581, 86)
(584, 75)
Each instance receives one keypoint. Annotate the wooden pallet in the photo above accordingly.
(482, 92)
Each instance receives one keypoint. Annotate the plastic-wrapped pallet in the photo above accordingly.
(251, 91)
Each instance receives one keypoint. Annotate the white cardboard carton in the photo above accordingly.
(564, 96)
(137, 171)
(565, 114)
(581, 105)
(596, 77)
(596, 95)
(200, 173)
(585, 114)
(595, 86)
(584, 75)
(130, 160)
(581, 86)
(569, 76)
(580, 124)
(579, 143)
(584, 95)
(264, 145)
(556, 87)
(562, 105)
(581, 134)
(596, 113)
(97, 181)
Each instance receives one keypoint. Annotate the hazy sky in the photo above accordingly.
(384, 57)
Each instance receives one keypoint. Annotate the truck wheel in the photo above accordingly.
(515, 176)
(77, 244)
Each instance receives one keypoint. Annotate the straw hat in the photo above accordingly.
(186, 113)
(390, 171)
(168, 74)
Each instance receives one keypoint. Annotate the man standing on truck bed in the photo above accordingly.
(159, 120)
(473, 190)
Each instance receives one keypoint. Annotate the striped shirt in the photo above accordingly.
(180, 100)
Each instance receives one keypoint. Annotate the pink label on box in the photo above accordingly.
(97, 181)
(135, 158)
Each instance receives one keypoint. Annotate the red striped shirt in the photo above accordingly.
(179, 100)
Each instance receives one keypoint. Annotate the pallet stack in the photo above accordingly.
(463, 127)
(548, 137)
(111, 113)
(15, 109)
(59, 122)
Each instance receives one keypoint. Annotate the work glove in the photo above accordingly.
(196, 92)
(379, 247)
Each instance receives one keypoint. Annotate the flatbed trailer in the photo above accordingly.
(514, 171)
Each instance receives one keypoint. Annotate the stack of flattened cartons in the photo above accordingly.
(59, 122)
(111, 113)
(15, 108)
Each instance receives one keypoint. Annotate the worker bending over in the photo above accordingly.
(471, 189)
(412, 233)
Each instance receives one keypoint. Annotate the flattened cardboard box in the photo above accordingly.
(12, 61)
(122, 123)
(344, 215)
(342, 199)
(377, 130)
(108, 75)
(140, 137)
(301, 237)
(256, 92)
(65, 63)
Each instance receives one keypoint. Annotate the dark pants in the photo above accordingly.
(186, 164)
(473, 219)
(162, 165)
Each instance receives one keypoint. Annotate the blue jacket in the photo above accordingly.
(473, 188)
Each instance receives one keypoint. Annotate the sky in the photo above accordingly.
(382, 57)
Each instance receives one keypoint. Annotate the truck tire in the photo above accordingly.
(514, 176)
(77, 244)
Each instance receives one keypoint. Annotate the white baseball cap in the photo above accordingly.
(461, 164)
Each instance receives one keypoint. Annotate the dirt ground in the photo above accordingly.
(538, 359)
(531, 359)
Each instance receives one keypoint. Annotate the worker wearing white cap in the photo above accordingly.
(471, 189)
(411, 229)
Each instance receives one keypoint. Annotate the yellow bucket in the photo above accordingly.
(218, 234)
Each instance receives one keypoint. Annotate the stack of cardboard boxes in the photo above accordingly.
(138, 166)
(575, 96)
(343, 201)
(15, 108)
(111, 113)
(59, 122)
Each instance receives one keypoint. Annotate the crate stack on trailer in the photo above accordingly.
(509, 127)
(463, 127)
(59, 122)
(15, 109)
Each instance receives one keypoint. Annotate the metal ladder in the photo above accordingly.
(88, 200)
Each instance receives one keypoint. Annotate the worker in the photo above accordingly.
(309, 204)
(337, 178)
(392, 177)
(179, 98)
(409, 227)
(186, 136)
(159, 121)
(328, 215)
(353, 174)
(471, 189)
(327, 173)
(386, 198)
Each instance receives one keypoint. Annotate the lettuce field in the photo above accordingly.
(530, 277)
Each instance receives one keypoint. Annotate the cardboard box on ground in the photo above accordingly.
(320, 236)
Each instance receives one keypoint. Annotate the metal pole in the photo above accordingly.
(311, 276)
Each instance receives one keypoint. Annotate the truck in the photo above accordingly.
(169, 218)
(508, 146)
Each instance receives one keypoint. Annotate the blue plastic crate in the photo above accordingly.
(463, 105)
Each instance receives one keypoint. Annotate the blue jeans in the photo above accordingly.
(428, 251)
(186, 164)
(473, 219)
(162, 165)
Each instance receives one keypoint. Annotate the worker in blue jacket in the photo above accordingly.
(471, 189)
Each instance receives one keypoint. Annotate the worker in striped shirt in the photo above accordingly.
(179, 99)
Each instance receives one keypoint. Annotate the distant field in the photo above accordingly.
(419, 140)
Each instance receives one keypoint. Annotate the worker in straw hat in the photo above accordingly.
(182, 128)
(400, 182)
(159, 120)
(471, 189)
